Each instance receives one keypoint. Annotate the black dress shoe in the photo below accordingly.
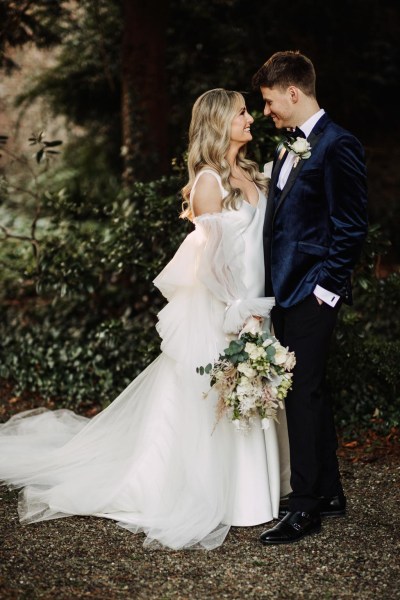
(292, 528)
(333, 506)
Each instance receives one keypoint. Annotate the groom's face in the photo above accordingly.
(279, 106)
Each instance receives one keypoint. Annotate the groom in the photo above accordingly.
(315, 225)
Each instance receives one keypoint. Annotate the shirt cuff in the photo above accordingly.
(326, 296)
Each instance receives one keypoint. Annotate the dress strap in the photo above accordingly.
(217, 177)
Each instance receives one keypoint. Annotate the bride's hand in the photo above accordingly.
(254, 324)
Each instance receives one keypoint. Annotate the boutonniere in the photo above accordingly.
(300, 147)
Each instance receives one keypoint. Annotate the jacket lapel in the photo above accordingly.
(313, 140)
(282, 153)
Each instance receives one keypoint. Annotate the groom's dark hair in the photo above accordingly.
(284, 69)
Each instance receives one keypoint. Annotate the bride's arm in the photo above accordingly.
(213, 255)
(220, 269)
(207, 196)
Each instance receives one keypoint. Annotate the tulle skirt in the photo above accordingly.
(155, 460)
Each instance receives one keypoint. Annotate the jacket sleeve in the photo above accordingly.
(346, 189)
(220, 267)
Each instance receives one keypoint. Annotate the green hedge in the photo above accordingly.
(364, 366)
(77, 322)
(79, 326)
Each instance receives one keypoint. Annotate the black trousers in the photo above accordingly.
(307, 330)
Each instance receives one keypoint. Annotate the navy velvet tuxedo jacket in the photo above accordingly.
(315, 227)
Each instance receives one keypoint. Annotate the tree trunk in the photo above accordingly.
(144, 106)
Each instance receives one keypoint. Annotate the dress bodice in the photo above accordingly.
(248, 222)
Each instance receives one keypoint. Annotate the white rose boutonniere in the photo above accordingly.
(300, 147)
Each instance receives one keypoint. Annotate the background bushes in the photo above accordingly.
(77, 323)
(364, 367)
(80, 243)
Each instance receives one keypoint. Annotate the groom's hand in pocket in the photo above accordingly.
(319, 300)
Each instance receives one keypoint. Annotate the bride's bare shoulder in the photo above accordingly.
(207, 195)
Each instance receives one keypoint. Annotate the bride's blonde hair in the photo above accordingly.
(209, 140)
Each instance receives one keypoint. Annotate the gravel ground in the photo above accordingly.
(356, 557)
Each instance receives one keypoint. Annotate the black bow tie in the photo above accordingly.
(293, 132)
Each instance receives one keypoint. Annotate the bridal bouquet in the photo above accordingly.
(252, 378)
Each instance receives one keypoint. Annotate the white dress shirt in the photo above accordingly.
(320, 292)
(287, 166)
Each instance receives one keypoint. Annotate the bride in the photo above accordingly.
(154, 460)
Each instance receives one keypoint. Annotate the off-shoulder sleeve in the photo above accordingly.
(214, 255)
(220, 265)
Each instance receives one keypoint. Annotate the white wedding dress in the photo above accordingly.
(155, 460)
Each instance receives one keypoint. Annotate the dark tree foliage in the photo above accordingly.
(24, 21)
(220, 43)
(353, 44)
(85, 86)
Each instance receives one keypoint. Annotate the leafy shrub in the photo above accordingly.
(364, 374)
(79, 325)
(76, 363)
(79, 308)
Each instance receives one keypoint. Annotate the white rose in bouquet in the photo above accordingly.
(280, 354)
(247, 370)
